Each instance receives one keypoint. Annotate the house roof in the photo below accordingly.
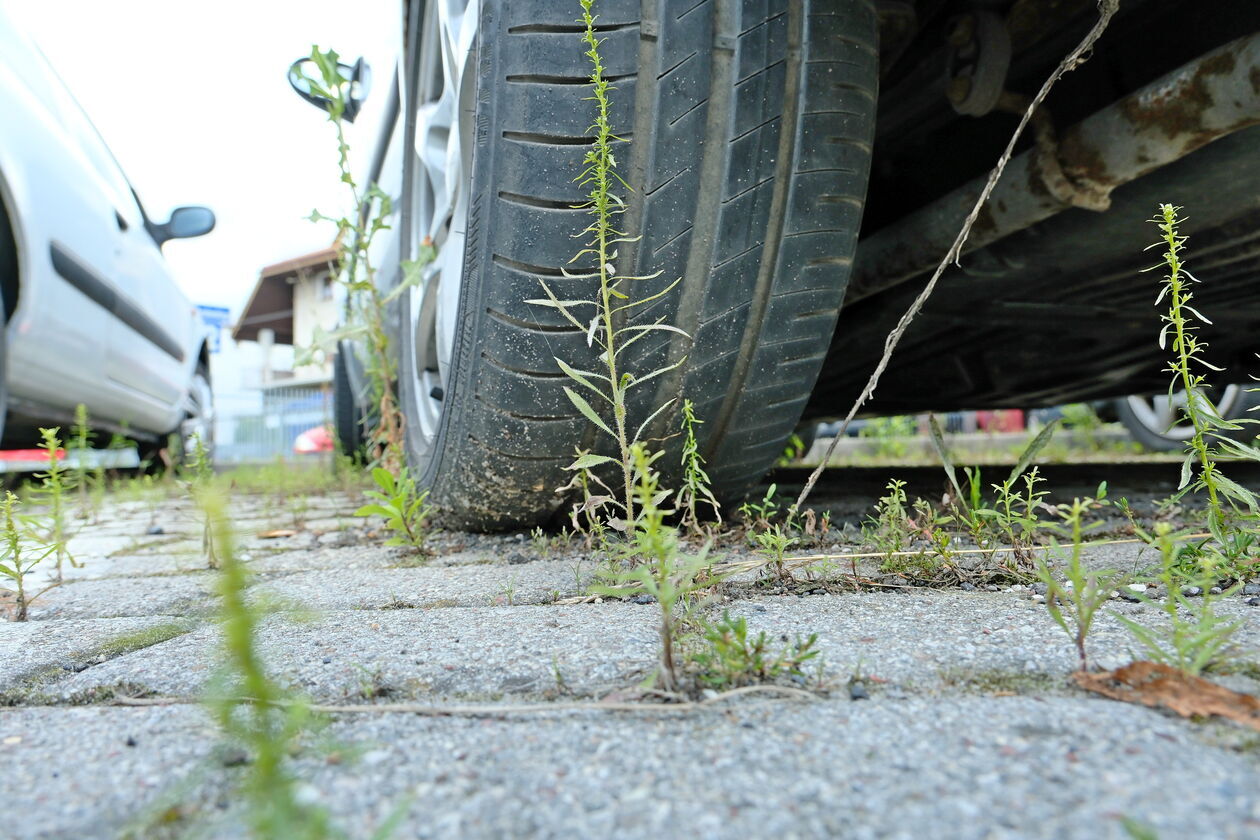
(271, 302)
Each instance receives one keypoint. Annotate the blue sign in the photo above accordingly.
(216, 318)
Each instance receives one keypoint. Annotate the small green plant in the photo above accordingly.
(889, 435)
(55, 484)
(79, 445)
(1081, 418)
(613, 301)
(891, 529)
(197, 474)
(1074, 603)
(793, 450)
(19, 557)
(255, 710)
(660, 570)
(730, 659)
(1015, 515)
(773, 545)
(758, 515)
(695, 491)
(1194, 638)
(406, 510)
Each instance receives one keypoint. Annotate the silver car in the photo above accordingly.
(91, 312)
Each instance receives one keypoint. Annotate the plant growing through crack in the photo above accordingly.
(602, 317)
(1192, 637)
(56, 482)
(731, 659)
(1074, 604)
(695, 492)
(405, 509)
(252, 708)
(19, 557)
(662, 571)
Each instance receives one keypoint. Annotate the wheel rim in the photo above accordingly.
(1163, 415)
(439, 205)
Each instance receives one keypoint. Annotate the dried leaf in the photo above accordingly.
(1164, 687)
(277, 533)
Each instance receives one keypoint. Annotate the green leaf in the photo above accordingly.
(588, 460)
(1186, 466)
(585, 407)
(1034, 446)
(938, 443)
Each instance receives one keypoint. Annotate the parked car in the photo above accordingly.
(92, 314)
(802, 168)
(1158, 421)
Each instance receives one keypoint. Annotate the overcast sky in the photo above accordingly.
(193, 101)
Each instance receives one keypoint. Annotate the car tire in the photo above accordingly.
(1149, 420)
(347, 413)
(751, 127)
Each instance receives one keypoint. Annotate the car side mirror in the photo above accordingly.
(185, 223)
(311, 83)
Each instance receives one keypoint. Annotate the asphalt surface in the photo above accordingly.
(965, 724)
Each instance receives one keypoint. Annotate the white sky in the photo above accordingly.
(193, 100)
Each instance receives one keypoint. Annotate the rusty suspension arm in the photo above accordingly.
(1207, 99)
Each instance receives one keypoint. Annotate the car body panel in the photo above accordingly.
(99, 320)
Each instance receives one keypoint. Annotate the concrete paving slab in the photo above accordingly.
(411, 653)
(950, 769)
(187, 594)
(337, 588)
(33, 648)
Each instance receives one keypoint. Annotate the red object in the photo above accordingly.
(1006, 420)
(318, 439)
(29, 455)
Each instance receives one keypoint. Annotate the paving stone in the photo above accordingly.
(336, 588)
(477, 651)
(33, 647)
(186, 594)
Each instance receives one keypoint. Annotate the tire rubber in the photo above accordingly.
(347, 416)
(750, 125)
(1154, 441)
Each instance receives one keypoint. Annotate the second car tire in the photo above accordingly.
(750, 128)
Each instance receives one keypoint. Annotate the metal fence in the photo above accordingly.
(263, 425)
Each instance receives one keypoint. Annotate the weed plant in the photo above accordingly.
(1074, 604)
(614, 301)
(198, 477)
(1193, 638)
(773, 544)
(891, 528)
(406, 511)
(79, 445)
(731, 659)
(695, 493)
(661, 571)
(56, 482)
(19, 557)
(757, 516)
(271, 722)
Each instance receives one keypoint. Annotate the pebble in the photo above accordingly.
(517, 557)
(1251, 589)
(1040, 588)
(1253, 602)
(1191, 591)
(155, 530)
(643, 599)
(1216, 590)
(1038, 598)
(857, 691)
(968, 587)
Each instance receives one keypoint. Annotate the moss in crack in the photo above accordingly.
(125, 643)
(1001, 682)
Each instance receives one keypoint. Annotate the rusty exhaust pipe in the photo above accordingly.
(1186, 109)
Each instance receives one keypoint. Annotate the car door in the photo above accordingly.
(66, 228)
